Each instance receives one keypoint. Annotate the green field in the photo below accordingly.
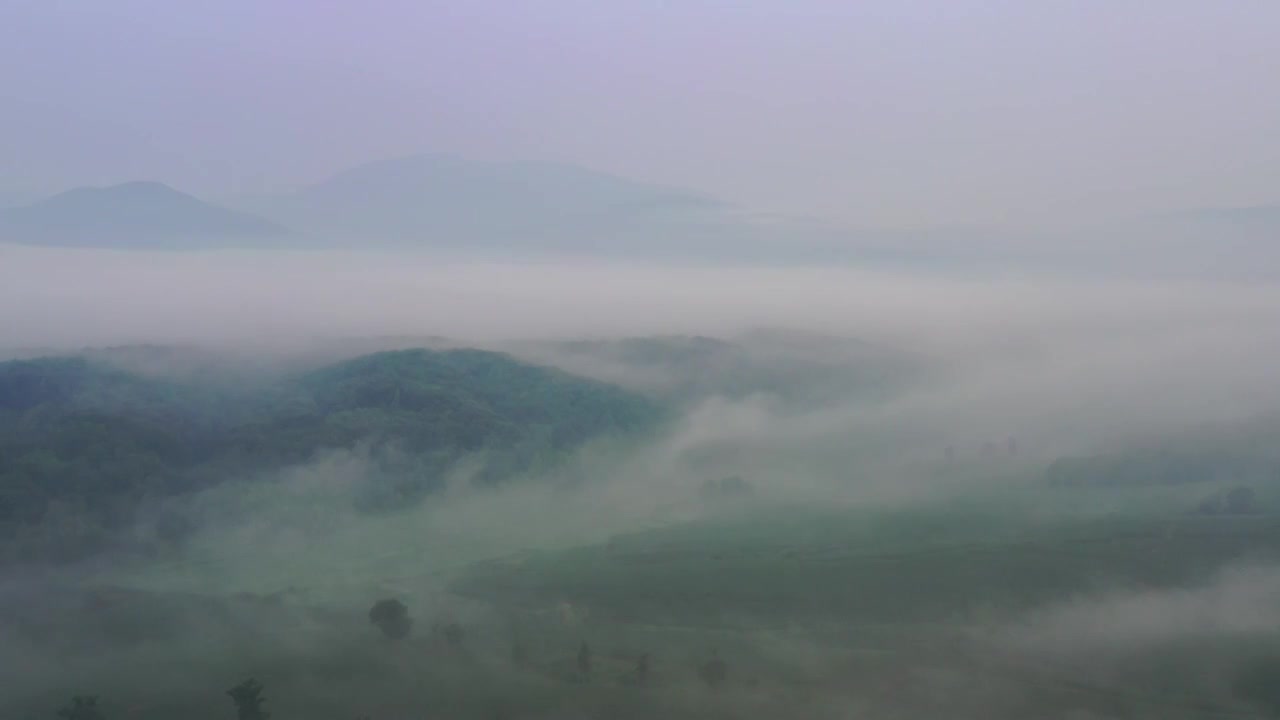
(824, 611)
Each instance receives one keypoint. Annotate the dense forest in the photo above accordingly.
(86, 439)
(713, 587)
(1245, 453)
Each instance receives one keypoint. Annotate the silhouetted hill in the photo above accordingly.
(134, 214)
(447, 201)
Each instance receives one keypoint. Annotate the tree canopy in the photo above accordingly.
(87, 441)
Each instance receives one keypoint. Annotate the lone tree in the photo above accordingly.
(392, 618)
(519, 655)
(729, 488)
(1240, 501)
(1236, 501)
(584, 660)
(249, 701)
(82, 707)
(714, 671)
(453, 635)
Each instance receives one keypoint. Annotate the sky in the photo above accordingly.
(891, 113)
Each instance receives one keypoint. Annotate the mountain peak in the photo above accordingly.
(141, 187)
(131, 188)
(141, 212)
(449, 200)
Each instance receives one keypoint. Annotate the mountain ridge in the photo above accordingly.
(139, 213)
(446, 200)
(89, 440)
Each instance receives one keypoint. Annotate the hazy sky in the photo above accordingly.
(887, 112)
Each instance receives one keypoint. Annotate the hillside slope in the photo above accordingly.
(81, 439)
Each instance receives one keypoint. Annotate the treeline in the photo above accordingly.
(1172, 465)
(390, 617)
(249, 701)
(247, 696)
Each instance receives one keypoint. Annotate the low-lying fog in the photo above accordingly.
(1088, 356)
(982, 382)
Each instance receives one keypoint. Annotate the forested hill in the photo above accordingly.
(81, 437)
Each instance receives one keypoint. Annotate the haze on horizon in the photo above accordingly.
(797, 359)
(883, 113)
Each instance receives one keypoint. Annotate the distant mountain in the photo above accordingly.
(12, 198)
(511, 210)
(135, 214)
(444, 201)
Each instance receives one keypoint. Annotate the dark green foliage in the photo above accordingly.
(714, 672)
(249, 701)
(811, 614)
(726, 488)
(519, 655)
(82, 707)
(81, 443)
(1163, 467)
(475, 397)
(1241, 501)
(1134, 468)
(80, 439)
(1245, 452)
(875, 569)
(392, 618)
(1259, 683)
(1236, 501)
(453, 635)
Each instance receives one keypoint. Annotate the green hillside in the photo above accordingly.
(924, 565)
(81, 439)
